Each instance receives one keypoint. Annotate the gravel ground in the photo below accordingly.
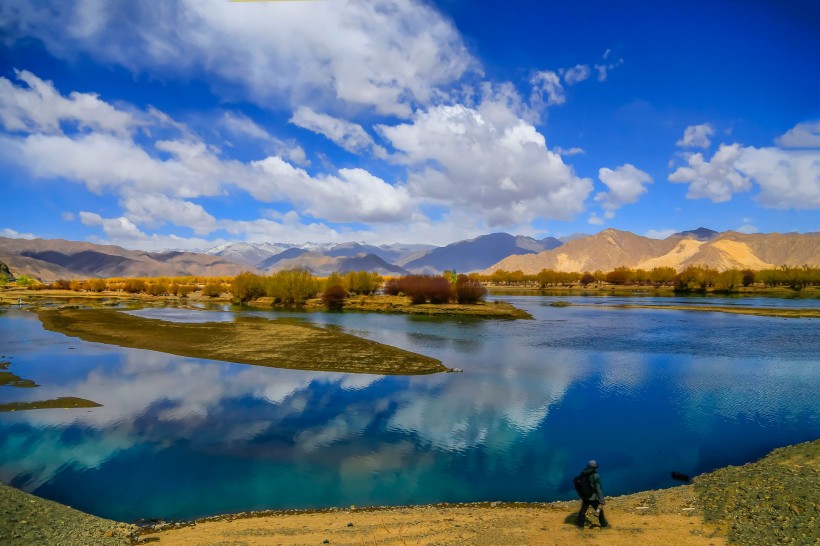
(773, 501)
(27, 520)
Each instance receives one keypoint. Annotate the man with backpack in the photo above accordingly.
(588, 486)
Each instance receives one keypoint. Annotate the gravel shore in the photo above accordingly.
(26, 520)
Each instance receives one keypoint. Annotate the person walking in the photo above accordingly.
(588, 485)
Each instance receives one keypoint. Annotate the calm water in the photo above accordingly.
(645, 392)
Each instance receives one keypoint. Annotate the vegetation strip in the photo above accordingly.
(757, 311)
(66, 402)
(281, 343)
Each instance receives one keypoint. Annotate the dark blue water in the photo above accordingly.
(644, 392)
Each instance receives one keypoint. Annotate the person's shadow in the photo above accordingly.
(572, 518)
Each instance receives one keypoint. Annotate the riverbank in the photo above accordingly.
(783, 312)
(772, 501)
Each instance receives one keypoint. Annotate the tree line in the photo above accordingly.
(691, 278)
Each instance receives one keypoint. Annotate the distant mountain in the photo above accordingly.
(248, 254)
(701, 234)
(322, 265)
(288, 254)
(572, 237)
(51, 259)
(479, 253)
(612, 248)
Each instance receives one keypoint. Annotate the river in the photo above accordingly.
(645, 392)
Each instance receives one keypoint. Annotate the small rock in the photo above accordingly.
(326, 541)
(350, 524)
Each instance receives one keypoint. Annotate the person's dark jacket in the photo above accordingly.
(595, 481)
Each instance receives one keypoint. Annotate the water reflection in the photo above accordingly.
(640, 390)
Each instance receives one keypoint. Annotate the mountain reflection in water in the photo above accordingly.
(643, 391)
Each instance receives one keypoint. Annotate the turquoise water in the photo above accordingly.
(645, 392)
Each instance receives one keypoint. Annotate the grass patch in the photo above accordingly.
(402, 305)
(281, 343)
(67, 402)
(737, 310)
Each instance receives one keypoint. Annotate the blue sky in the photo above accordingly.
(187, 124)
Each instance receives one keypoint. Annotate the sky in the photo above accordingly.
(188, 124)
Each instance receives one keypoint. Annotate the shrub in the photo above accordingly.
(159, 288)
(212, 290)
(422, 288)
(133, 286)
(291, 286)
(587, 278)
(362, 282)
(61, 284)
(469, 290)
(334, 297)
(392, 287)
(247, 286)
(96, 285)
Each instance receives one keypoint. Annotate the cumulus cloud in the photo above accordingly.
(39, 107)
(626, 185)
(348, 135)
(716, 179)
(502, 169)
(546, 89)
(577, 73)
(696, 136)
(154, 209)
(14, 234)
(121, 231)
(353, 196)
(786, 178)
(802, 135)
(383, 54)
(660, 233)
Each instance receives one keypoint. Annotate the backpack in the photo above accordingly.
(583, 486)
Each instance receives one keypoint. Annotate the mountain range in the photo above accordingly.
(56, 258)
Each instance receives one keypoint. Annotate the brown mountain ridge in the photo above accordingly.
(612, 248)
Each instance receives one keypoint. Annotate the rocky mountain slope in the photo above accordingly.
(612, 248)
(51, 259)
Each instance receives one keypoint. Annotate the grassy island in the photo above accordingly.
(280, 343)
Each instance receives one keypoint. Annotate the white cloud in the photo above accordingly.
(384, 54)
(501, 169)
(14, 234)
(122, 232)
(660, 233)
(716, 179)
(40, 107)
(748, 228)
(626, 185)
(155, 209)
(578, 73)
(350, 136)
(786, 178)
(603, 69)
(595, 220)
(696, 136)
(802, 135)
(353, 196)
(546, 82)
(568, 151)
(240, 125)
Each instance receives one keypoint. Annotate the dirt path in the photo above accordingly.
(658, 517)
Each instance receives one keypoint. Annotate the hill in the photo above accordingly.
(612, 248)
(479, 253)
(51, 259)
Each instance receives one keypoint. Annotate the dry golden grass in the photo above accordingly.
(282, 343)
